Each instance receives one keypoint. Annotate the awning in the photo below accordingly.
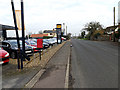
(6, 27)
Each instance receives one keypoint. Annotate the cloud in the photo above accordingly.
(45, 14)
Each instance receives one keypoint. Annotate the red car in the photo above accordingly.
(4, 56)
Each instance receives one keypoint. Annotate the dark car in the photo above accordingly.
(11, 47)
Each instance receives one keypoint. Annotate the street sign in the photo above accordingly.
(59, 26)
(58, 31)
(18, 19)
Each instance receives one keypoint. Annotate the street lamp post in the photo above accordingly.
(114, 25)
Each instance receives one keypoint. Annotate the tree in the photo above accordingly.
(40, 32)
(29, 34)
(83, 34)
(97, 35)
(68, 36)
(91, 27)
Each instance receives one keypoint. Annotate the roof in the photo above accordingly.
(111, 28)
(49, 31)
(39, 35)
(7, 27)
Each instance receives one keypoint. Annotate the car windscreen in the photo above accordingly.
(32, 43)
(14, 44)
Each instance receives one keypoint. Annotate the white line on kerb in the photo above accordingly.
(67, 74)
(34, 80)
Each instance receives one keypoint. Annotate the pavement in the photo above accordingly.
(94, 64)
(14, 78)
(54, 77)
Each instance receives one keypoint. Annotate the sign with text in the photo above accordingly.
(58, 31)
(18, 19)
(59, 25)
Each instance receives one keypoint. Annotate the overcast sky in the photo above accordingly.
(45, 14)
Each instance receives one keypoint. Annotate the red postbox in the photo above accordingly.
(40, 43)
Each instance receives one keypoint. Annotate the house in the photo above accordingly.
(3, 31)
(51, 33)
(110, 31)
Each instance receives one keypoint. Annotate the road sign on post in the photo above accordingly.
(58, 31)
(21, 53)
(17, 35)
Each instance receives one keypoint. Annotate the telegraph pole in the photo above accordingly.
(114, 25)
(66, 30)
(63, 28)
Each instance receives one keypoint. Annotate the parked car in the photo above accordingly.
(32, 44)
(4, 56)
(51, 41)
(54, 40)
(45, 44)
(12, 47)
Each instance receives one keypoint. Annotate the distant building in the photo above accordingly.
(51, 33)
(110, 30)
(3, 31)
(38, 35)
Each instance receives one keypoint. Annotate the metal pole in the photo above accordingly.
(40, 54)
(16, 28)
(23, 33)
(66, 30)
(57, 38)
(114, 25)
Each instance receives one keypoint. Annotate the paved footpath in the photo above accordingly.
(54, 77)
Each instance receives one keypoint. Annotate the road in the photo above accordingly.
(94, 64)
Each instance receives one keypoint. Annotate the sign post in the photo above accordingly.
(119, 20)
(17, 35)
(58, 31)
(21, 53)
(23, 33)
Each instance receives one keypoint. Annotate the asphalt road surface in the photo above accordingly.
(94, 64)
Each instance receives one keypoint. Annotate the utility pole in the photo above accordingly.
(75, 35)
(66, 30)
(114, 25)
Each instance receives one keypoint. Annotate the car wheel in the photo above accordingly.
(6, 63)
(13, 55)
